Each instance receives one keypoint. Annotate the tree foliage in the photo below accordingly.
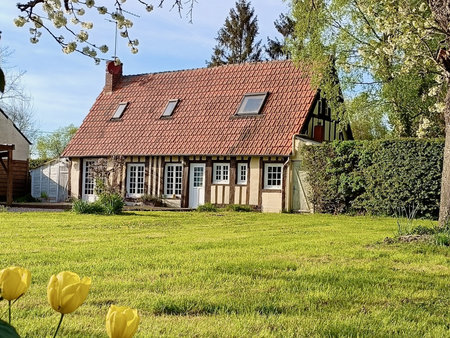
(236, 39)
(64, 21)
(377, 47)
(369, 43)
(51, 146)
(276, 49)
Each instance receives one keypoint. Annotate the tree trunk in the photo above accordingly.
(441, 14)
(444, 209)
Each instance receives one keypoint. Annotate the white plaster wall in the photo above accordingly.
(255, 180)
(271, 202)
(10, 135)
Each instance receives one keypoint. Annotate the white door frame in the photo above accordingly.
(196, 186)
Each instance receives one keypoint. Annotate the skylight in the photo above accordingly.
(170, 108)
(120, 109)
(251, 104)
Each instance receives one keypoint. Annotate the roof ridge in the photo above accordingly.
(228, 65)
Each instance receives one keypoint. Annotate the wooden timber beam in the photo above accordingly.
(9, 185)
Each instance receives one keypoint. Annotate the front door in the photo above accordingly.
(299, 189)
(196, 185)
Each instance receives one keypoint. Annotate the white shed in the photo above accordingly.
(51, 180)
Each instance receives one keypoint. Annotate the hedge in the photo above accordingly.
(383, 177)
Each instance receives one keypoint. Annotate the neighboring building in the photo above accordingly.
(14, 142)
(51, 180)
(224, 135)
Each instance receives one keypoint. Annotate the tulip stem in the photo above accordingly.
(59, 324)
(9, 312)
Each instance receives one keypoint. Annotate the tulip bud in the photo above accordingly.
(14, 282)
(121, 322)
(66, 292)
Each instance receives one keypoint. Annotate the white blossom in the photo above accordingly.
(102, 10)
(20, 21)
(70, 47)
(87, 25)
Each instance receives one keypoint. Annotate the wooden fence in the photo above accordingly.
(21, 180)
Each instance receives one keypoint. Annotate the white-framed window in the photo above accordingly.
(242, 173)
(221, 173)
(273, 175)
(119, 111)
(172, 179)
(251, 104)
(135, 179)
(89, 180)
(170, 108)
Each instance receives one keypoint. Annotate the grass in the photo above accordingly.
(230, 274)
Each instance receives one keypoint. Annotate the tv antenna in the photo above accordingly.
(115, 34)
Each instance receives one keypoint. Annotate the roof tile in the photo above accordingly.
(203, 121)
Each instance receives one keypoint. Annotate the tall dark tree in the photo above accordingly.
(276, 49)
(236, 39)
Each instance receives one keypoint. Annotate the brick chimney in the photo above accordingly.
(113, 76)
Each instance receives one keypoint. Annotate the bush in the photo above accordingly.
(83, 207)
(239, 208)
(107, 204)
(375, 177)
(207, 207)
(112, 204)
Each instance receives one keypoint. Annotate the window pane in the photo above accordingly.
(170, 108)
(136, 175)
(120, 109)
(173, 179)
(251, 104)
(89, 178)
(198, 177)
(273, 176)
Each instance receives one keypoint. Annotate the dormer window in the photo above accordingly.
(120, 109)
(170, 108)
(252, 104)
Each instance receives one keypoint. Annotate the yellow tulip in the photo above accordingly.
(121, 322)
(14, 282)
(66, 292)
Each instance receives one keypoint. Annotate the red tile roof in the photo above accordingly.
(203, 122)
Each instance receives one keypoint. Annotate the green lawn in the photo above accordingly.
(230, 274)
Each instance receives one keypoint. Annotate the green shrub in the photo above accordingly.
(83, 207)
(3, 208)
(207, 207)
(442, 238)
(239, 208)
(111, 203)
(375, 177)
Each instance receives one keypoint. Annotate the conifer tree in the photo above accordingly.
(236, 39)
(276, 49)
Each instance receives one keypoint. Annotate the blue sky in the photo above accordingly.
(64, 87)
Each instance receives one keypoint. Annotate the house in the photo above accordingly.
(51, 180)
(224, 135)
(14, 155)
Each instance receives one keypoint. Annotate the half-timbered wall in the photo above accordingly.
(321, 115)
(252, 192)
